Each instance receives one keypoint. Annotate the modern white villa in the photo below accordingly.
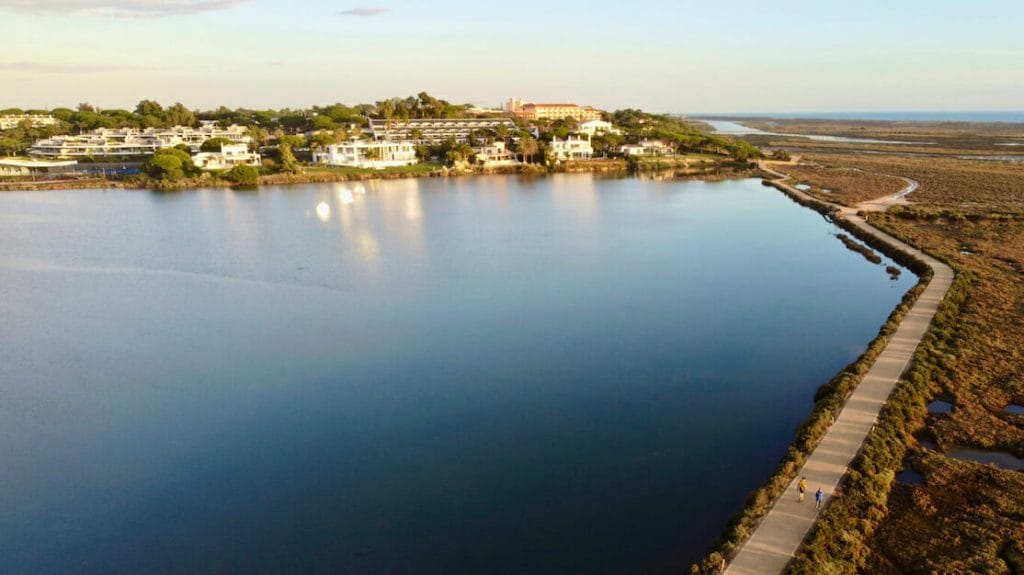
(375, 154)
(129, 142)
(594, 127)
(229, 156)
(647, 148)
(572, 148)
(10, 121)
(493, 155)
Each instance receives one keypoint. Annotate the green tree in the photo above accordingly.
(324, 123)
(285, 144)
(258, 135)
(526, 146)
(145, 108)
(179, 115)
(243, 175)
(323, 139)
(164, 167)
(170, 164)
(214, 144)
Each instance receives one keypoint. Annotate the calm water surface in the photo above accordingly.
(501, 375)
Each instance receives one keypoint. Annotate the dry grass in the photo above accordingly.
(938, 137)
(841, 184)
(976, 186)
(967, 517)
(987, 372)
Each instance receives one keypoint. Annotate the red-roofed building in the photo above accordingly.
(554, 111)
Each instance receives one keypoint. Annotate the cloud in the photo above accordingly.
(44, 68)
(365, 12)
(117, 8)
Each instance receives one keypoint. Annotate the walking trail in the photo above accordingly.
(776, 539)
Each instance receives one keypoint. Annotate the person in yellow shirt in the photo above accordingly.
(802, 487)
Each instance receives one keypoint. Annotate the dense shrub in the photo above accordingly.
(243, 175)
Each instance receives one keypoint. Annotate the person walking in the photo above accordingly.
(818, 498)
(802, 488)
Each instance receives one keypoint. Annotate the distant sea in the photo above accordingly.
(1016, 117)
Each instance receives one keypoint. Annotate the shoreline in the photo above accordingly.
(763, 537)
(725, 169)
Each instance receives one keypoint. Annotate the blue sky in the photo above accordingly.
(739, 56)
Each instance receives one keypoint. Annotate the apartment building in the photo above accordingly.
(375, 154)
(435, 130)
(131, 142)
(10, 121)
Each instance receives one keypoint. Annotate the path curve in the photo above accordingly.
(777, 537)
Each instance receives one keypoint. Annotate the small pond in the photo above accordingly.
(1001, 459)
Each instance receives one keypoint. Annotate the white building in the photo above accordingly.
(594, 127)
(647, 148)
(493, 155)
(229, 156)
(572, 148)
(18, 167)
(129, 142)
(35, 120)
(367, 154)
(435, 130)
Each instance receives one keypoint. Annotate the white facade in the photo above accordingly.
(572, 148)
(30, 167)
(12, 120)
(594, 127)
(435, 130)
(368, 154)
(495, 154)
(647, 148)
(128, 142)
(229, 156)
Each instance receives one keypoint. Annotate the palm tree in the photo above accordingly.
(527, 146)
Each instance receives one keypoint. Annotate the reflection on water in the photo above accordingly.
(323, 212)
(467, 375)
(1001, 459)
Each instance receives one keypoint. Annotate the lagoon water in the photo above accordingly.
(498, 374)
(737, 129)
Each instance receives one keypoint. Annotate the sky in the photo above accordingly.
(662, 56)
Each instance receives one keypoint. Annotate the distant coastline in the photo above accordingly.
(960, 116)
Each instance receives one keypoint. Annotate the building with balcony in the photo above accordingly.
(11, 121)
(24, 167)
(494, 155)
(572, 148)
(375, 154)
(647, 148)
(594, 127)
(229, 156)
(435, 130)
(131, 142)
(550, 112)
